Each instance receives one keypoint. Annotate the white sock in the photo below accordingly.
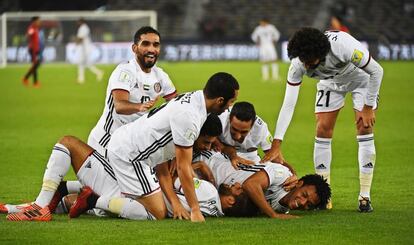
(366, 160)
(73, 186)
(56, 169)
(275, 71)
(103, 202)
(265, 71)
(322, 157)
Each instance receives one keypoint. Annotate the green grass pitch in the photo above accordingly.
(32, 120)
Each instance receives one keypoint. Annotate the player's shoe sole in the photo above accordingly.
(80, 206)
(34, 214)
(365, 205)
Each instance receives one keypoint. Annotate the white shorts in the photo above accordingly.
(328, 99)
(99, 175)
(267, 53)
(134, 179)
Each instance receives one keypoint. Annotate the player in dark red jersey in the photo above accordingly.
(35, 50)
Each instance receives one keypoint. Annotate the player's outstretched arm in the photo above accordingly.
(166, 183)
(185, 173)
(254, 187)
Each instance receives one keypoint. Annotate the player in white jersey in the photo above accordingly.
(83, 40)
(243, 134)
(166, 132)
(264, 185)
(265, 36)
(133, 88)
(343, 65)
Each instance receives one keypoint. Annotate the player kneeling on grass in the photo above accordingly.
(264, 184)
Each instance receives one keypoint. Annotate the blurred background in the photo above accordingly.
(213, 29)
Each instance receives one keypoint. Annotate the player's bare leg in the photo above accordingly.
(155, 204)
(366, 160)
(322, 154)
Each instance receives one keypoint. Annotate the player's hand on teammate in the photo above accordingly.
(274, 154)
(196, 216)
(367, 116)
(237, 160)
(179, 212)
(290, 183)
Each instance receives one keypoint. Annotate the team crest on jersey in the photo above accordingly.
(157, 87)
(357, 57)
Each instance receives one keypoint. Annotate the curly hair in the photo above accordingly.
(322, 188)
(308, 44)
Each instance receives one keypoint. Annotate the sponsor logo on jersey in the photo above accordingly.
(157, 87)
(88, 164)
(197, 183)
(147, 87)
(136, 85)
(357, 57)
(124, 76)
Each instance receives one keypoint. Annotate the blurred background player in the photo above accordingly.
(35, 47)
(265, 35)
(337, 24)
(83, 40)
(343, 65)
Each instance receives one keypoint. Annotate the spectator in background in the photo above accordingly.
(338, 25)
(83, 39)
(265, 36)
(35, 47)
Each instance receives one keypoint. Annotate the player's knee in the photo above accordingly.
(67, 140)
(324, 130)
(361, 130)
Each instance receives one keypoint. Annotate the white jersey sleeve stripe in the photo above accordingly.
(164, 140)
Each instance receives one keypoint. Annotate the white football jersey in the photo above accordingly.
(142, 87)
(85, 34)
(207, 196)
(150, 139)
(258, 137)
(345, 57)
(224, 173)
(266, 35)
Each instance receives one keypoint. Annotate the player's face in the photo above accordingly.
(303, 197)
(239, 129)
(203, 143)
(147, 50)
(227, 201)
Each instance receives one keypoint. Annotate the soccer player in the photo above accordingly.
(243, 134)
(265, 35)
(84, 42)
(166, 132)
(343, 65)
(264, 185)
(133, 88)
(35, 49)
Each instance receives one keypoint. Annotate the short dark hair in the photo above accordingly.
(322, 188)
(34, 18)
(308, 44)
(244, 111)
(243, 207)
(144, 30)
(212, 126)
(221, 84)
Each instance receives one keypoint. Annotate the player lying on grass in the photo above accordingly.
(244, 133)
(264, 185)
(94, 171)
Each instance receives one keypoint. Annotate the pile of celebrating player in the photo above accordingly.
(196, 155)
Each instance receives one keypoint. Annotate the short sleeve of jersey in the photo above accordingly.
(265, 136)
(277, 173)
(296, 72)
(185, 127)
(348, 49)
(121, 78)
(166, 83)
